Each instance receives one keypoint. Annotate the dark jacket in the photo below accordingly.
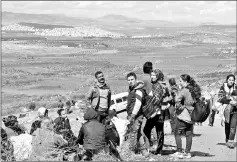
(61, 124)
(226, 93)
(132, 96)
(7, 149)
(93, 96)
(92, 133)
(36, 124)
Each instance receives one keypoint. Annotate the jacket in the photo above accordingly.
(132, 96)
(61, 124)
(226, 94)
(184, 100)
(92, 133)
(93, 96)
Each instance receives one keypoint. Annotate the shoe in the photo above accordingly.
(187, 155)
(211, 125)
(177, 155)
(145, 153)
(230, 145)
(156, 153)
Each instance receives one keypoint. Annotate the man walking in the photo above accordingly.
(99, 96)
(134, 103)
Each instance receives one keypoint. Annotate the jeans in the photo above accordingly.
(150, 124)
(172, 118)
(212, 117)
(187, 129)
(230, 128)
(136, 138)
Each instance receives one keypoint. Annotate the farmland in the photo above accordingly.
(43, 68)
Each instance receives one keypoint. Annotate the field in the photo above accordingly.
(48, 68)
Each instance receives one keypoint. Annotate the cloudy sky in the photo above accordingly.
(223, 12)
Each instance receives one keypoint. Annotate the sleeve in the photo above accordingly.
(138, 103)
(67, 124)
(34, 126)
(80, 136)
(109, 98)
(222, 96)
(89, 95)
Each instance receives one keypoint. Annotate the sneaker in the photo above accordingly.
(187, 155)
(145, 153)
(177, 155)
(230, 145)
(211, 125)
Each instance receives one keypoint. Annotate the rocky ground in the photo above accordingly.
(208, 142)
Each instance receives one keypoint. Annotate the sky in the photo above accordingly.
(221, 12)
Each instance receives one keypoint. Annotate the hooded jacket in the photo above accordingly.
(135, 94)
(92, 133)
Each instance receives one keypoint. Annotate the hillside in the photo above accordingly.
(60, 30)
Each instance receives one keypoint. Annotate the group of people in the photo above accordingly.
(150, 102)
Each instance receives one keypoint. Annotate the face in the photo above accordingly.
(100, 78)
(153, 77)
(182, 83)
(63, 114)
(131, 81)
(230, 81)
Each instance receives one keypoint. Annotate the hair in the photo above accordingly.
(97, 73)
(132, 74)
(230, 75)
(159, 74)
(147, 67)
(193, 87)
(60, 111)
(172, 81)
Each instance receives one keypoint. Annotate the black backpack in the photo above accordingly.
(201, 110)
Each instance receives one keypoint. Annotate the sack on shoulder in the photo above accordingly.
(201, 111)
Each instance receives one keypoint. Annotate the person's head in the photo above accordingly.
(131, 78)
(62, 113)
(42, 112)
(230, 80)
(47, 123)
(100, 77)
(156, 75)
(185, 80)
(90, 114)
(147, 67)
(172, 81)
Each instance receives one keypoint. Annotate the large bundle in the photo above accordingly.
(121, 127)
(22, 146)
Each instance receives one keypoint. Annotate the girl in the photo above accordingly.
(189, 93)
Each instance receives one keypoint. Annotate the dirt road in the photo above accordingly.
(208, 143)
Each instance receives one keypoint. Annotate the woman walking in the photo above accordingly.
(189, 93)
(228, 95)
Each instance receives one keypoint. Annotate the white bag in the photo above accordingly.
(22, 146)
(121, 126)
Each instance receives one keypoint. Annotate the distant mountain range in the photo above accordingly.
(106, 22)
(113, 23)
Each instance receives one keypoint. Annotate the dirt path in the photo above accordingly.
(208, 143)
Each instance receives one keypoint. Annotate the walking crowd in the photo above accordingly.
(150, 102)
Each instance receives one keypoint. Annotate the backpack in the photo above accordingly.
(201, 110)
